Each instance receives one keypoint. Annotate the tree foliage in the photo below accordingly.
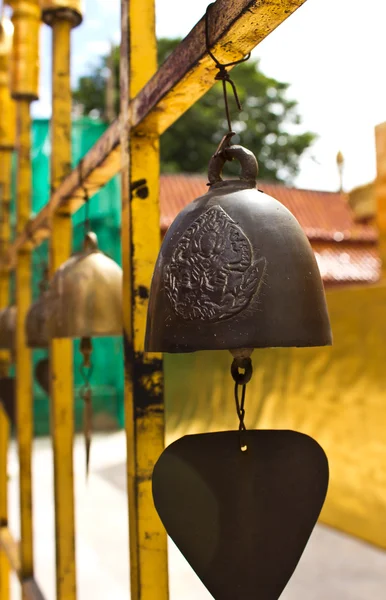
(269, 123)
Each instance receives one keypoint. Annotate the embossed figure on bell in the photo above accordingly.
(235, 270)
(212, 274)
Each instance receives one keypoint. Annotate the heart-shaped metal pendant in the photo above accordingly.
(241, 519)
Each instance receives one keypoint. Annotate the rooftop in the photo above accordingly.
(346, 250)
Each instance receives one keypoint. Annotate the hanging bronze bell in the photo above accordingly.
(85, 295)
(37, 322)
(8, 328)
(235, 271)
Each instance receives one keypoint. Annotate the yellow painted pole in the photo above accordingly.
(144, 406)
(24, 86)
(7, 141)
(62, 16)
(62, 413)
(24, 400)
(7, 146)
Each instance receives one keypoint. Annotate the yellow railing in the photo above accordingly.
(150, 102)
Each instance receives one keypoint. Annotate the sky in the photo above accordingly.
(331, 52)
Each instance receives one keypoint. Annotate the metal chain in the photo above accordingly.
(241, 371)
(223, 74)
(86, 369)
(240, 405)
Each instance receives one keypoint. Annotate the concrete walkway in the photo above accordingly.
(333, 567)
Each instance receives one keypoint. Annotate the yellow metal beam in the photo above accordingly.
(144, 407)
(236, 28)
(61, 353)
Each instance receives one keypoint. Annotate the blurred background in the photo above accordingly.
(314, 112)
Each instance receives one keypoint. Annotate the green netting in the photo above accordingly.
(104, 211)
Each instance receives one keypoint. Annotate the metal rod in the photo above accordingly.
(24, 86)
(144, 406)
(61, 352)
(24, 415)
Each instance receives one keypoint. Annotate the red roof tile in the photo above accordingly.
(323, 215)
(345, 250)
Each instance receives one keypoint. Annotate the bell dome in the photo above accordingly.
(235, 270)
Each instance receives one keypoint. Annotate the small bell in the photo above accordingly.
(8, 328)
(85, 295)
(235, 271)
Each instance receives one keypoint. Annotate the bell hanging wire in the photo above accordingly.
(86, 222)
(223, 74)
(86, 369)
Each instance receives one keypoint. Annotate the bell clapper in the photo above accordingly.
(241, 370)
(86, 395)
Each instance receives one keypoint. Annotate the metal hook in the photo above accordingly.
(86, 198)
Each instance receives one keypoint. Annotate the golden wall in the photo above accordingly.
(336, 394)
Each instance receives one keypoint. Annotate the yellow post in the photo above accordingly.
(7, 141)
(144, 407)
(7, 145)
(24, 86)
(24, 400)
(5, 197)
(62, 16)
